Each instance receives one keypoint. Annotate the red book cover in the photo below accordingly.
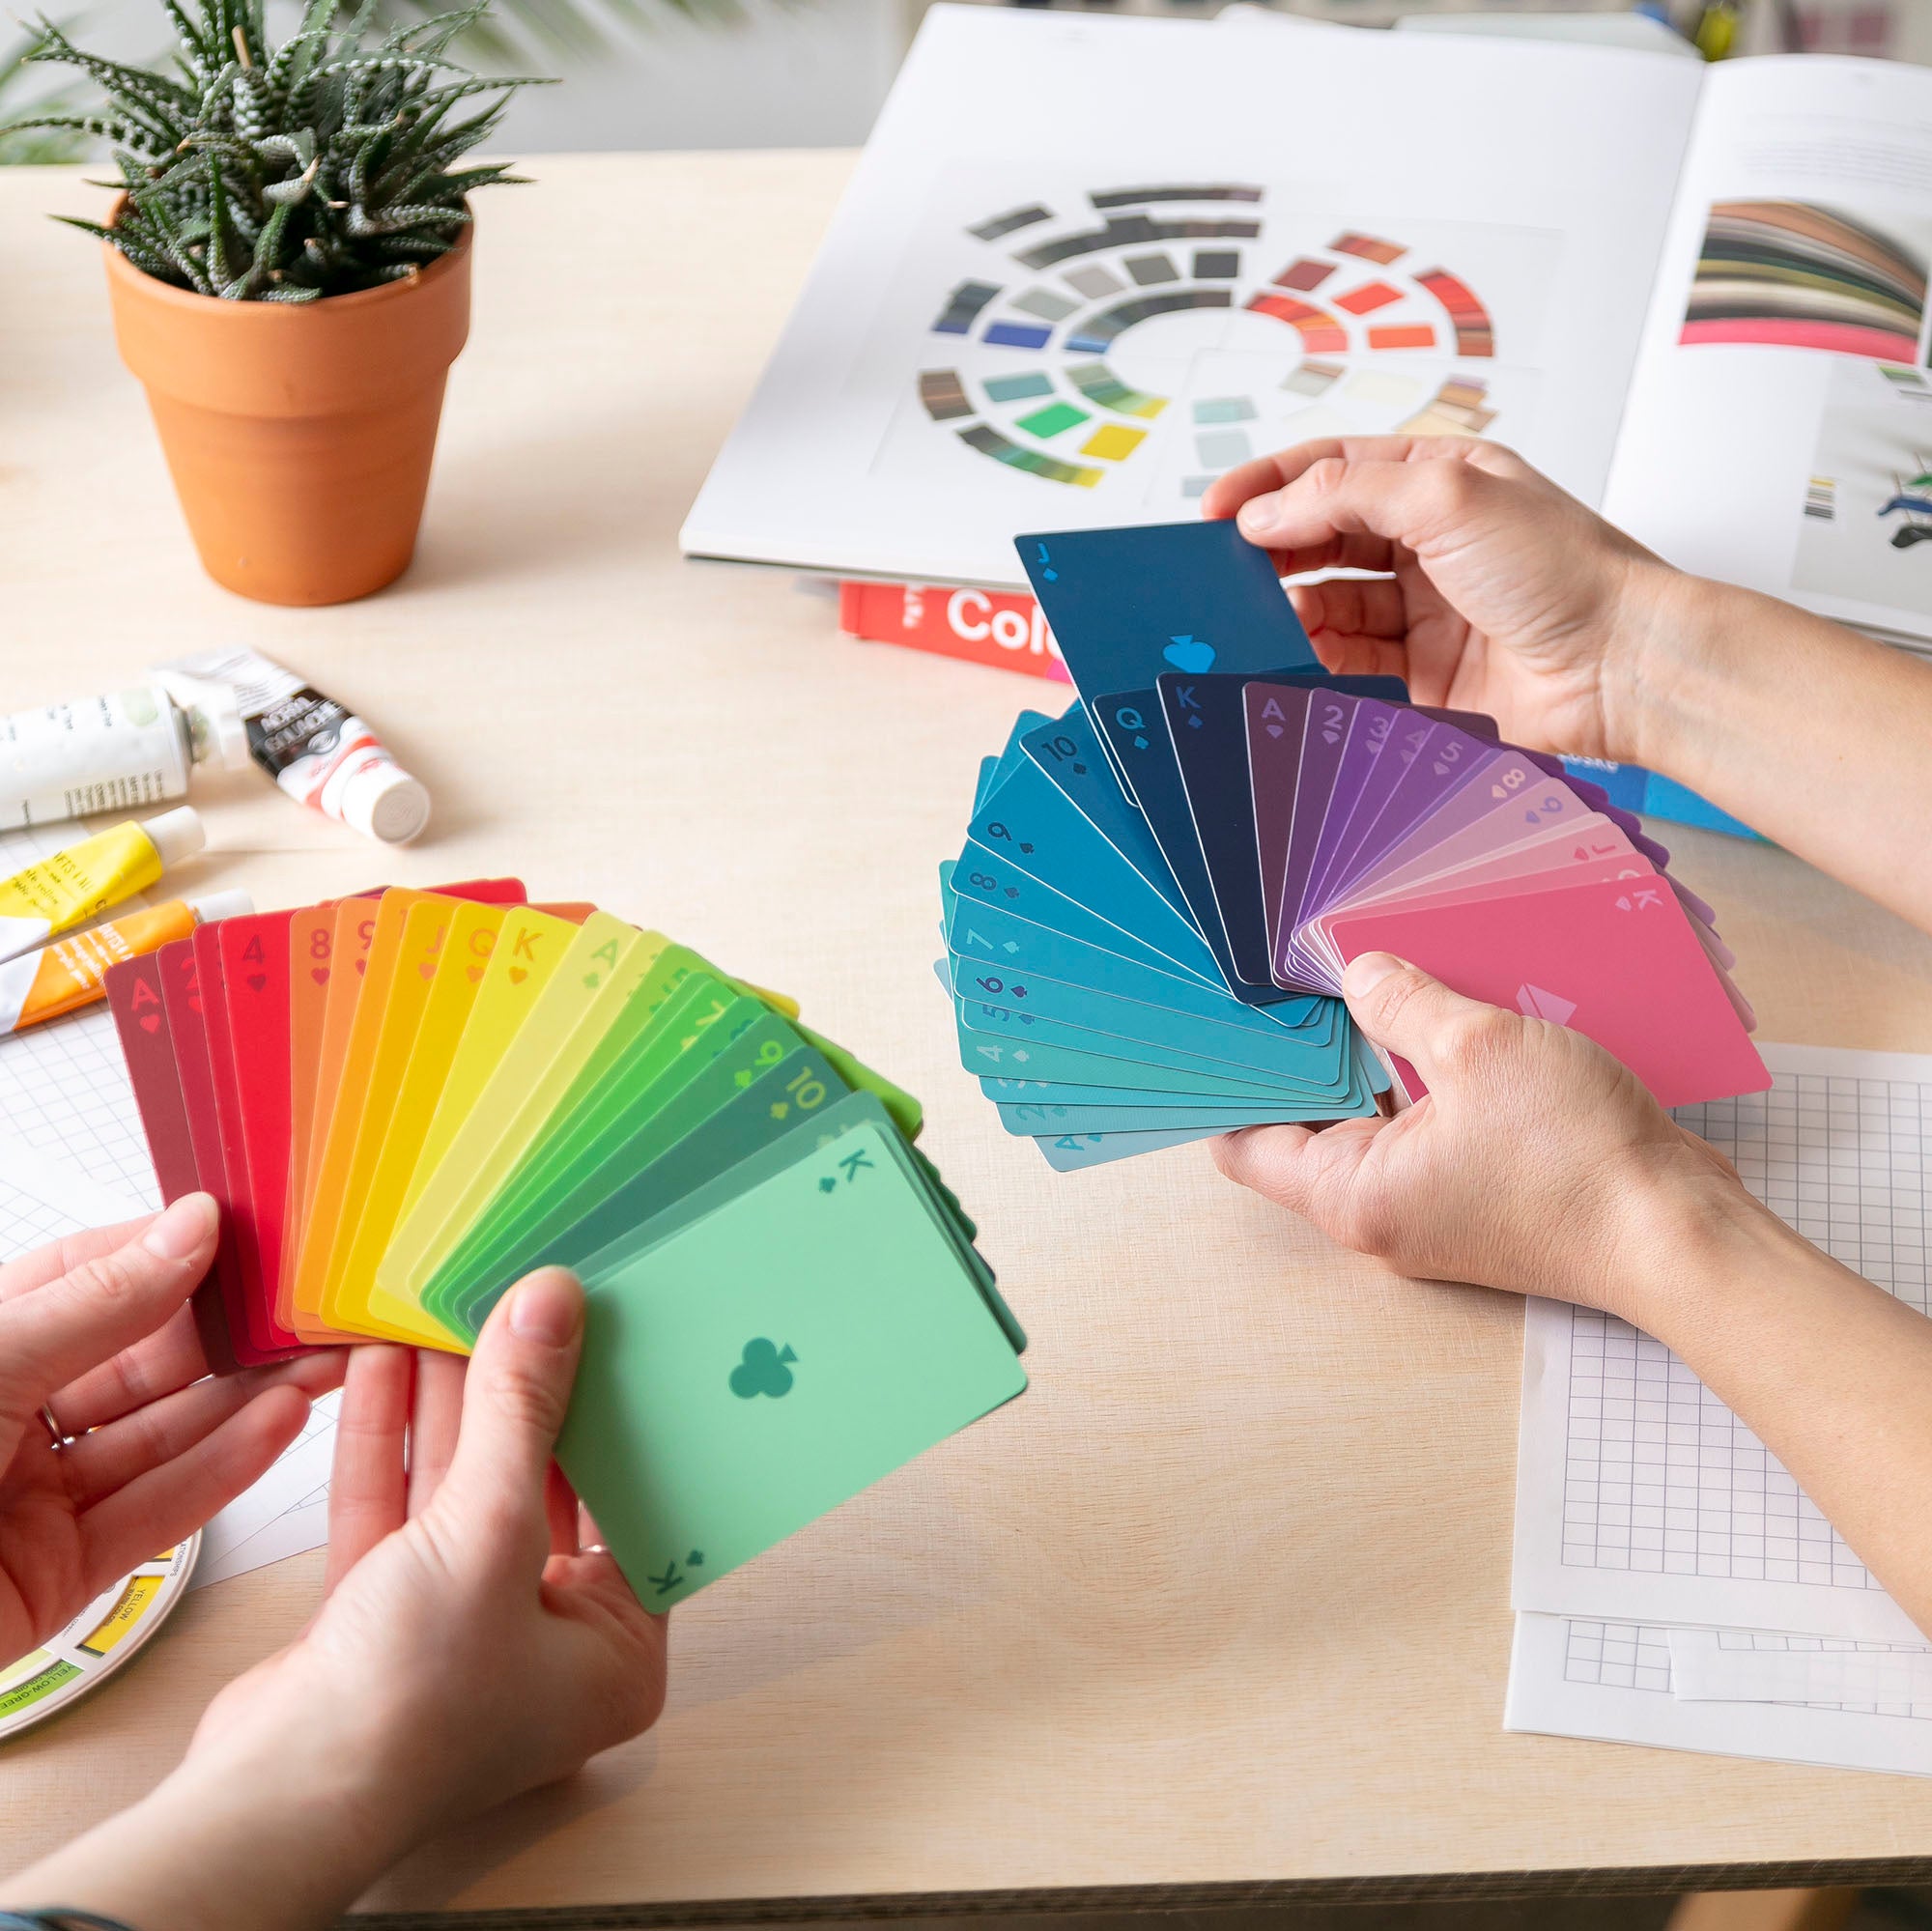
(997, 627)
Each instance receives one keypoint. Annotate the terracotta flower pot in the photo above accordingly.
(300, 437)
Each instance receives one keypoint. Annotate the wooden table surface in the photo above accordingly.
(1223, 1603)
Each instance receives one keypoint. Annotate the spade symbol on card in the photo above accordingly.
(1189, 654)
(764, 1370)
(150, 1021)
(1046, 570)
(1140, 743)
(256, 981)
(518, 974)
(1275, 731)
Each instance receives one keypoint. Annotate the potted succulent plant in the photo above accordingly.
(289, 272)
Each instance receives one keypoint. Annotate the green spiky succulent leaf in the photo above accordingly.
(318, 167)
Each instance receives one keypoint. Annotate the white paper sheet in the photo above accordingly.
(1640, 1495)
(1611, 1681)
(1770, 1666)
(1105, 139)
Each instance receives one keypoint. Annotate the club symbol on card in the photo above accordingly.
(256, 981)
(1533, 1001)
(742, 1077)
(765, 1369)
(593, 980)
(829, 1184)
(780, 1109)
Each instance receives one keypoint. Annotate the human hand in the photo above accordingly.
(97, 1329)
(1499, 593)
(469, 1646)
(1537, 1162)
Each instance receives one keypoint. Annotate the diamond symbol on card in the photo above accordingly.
(1533, 1001)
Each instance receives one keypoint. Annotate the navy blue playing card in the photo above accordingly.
(1126, 605)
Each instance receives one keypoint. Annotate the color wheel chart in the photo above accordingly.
(1094, 321)
(104, 1636)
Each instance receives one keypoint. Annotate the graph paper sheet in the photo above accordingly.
(1766, 1666)
(64, 1086)
(73, 1155)
(1640, 1495)
(1612, 1681)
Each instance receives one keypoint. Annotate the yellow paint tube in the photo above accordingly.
(69, 974)
(80, 882)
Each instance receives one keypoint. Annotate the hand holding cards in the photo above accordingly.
(406, 1100)
(1159, 892)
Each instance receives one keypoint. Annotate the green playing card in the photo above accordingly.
(755, 1087)
(769, 1360)
(703, 1021)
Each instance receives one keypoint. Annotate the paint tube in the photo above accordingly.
(114, 752)
(67, 975)
(80, 882)
(319, 751)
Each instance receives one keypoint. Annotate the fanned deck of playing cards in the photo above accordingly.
(1147, 927)
(406, 1100)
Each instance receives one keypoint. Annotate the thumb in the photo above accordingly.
(55, 1333)
(1418, 1019)
(514, 1399)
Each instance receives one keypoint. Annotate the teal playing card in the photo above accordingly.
(768, 1361)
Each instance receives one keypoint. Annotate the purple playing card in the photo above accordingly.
(1360, 785)
(1331, 713)
(1277, 713)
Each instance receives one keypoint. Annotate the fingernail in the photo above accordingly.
(548, 1307)
(1362, 976)
(1257, 517)
(183, 1227)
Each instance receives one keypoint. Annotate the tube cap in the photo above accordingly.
(176, 834)
(383, 801)
(214, 905)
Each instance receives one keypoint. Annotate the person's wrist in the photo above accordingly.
(1683, 1233)
(1665, 664)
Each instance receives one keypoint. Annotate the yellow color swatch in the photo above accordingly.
(419, 950)
(1112, 442)
(452, 998)
(605, 964)
(385, 997)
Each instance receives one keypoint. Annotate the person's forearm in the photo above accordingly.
(1831, 1373)
(1810, 733)
(222, 1847)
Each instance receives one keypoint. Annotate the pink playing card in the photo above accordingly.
(1616, 960)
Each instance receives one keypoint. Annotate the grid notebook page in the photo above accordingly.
(64, 1086)
(1641, 1683)
(1640, 1496)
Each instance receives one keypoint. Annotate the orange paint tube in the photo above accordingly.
(67, 976)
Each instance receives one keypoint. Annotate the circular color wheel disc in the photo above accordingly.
(108, 1634)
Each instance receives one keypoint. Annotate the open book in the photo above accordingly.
(1085, 264)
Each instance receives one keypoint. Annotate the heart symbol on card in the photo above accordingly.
(361, 965)
(319, 974)
(427, 971)
(475, 973)
(256, 981)
(1190, 654)
(518, 974)
(150, 1021)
